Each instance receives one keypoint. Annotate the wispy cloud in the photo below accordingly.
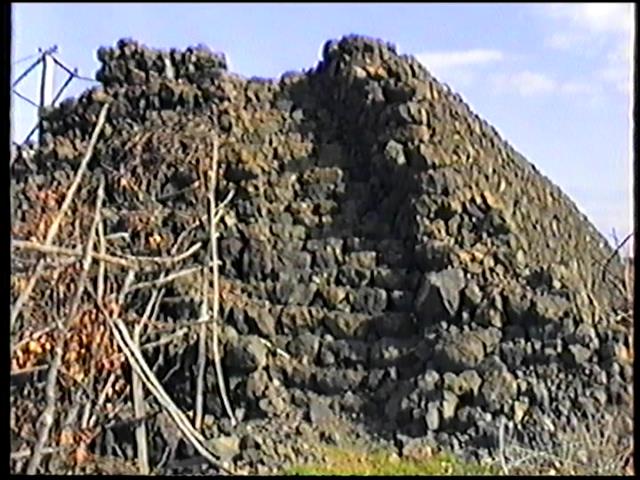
(459, 66)
(441, 61)
(565, 40)
(530, 84)
(598, 29)
(578, 88)
(525, 83)
(617, 67)
(605, 26)
(594, 17)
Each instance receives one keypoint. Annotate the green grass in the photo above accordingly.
(354, 462)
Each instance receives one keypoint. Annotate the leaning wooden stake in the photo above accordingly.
(47, 417)
(202, 357)
(139, 407)
(53, 230)
(149, 379)
(213, 219)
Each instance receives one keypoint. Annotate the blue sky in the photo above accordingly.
(553, 79)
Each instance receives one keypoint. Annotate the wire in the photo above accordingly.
(26, 72)
(24, 59)
(28, 100)
(73, 72)
(66, 83)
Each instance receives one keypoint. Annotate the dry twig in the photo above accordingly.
(141, 370)
(69, 252)
(202, 357)
(126, 261)
(149, 315)
(47, 416)
(216, 280)
(45, 420)
(25, 371)
(139, 405)
(166, 339)
(594, 447)
(53, 229)
(503, 462)
(100, 286)
(27, 452)
(102, 398)
(165, 279)
(615, 252)
(140, 366)
(165, 260)
(139, 410)
(102, 250)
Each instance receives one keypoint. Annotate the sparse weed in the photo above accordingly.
(381, 462)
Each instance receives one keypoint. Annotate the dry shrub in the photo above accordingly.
(594, 448)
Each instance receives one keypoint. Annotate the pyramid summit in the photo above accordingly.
(388, 262)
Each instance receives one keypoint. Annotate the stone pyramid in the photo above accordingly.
(386, 258)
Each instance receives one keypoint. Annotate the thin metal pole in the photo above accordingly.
(64, 85)
(43, 93)
(73, 72)
(49, 78)
(26, 72)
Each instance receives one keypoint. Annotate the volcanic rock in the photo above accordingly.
(380, 247)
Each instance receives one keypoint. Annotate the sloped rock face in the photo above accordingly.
(386, 256)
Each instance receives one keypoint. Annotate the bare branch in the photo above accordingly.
(220, 208)
(51, 249)
(165, 279)
(53, 229)
(101, 398)
(47, 416)
(140, 366)
(216, 281)
(27, 452)
(25, 371)
(126, 261)
(615, 252)
(202, 352)
(503, 462)
(142, 371)
(165, 340)
(102, 248)
(139, 409)
(187, 323)
(165, 260)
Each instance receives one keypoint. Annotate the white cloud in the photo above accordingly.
(458, 78)
(584, 26)
(529, 84)
(603, 29)
(617, 67)
(458, 67)
(525, 83)
(441, 61)
(594, 17)
(578, 88)
(565, 40)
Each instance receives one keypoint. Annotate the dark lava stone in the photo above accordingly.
(370, 300)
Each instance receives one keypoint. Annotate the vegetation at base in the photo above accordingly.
(354, 462)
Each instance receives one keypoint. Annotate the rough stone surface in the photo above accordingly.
(385, 257)
(459, 352)
(249, 354)
(225, 447)
(439, 294)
